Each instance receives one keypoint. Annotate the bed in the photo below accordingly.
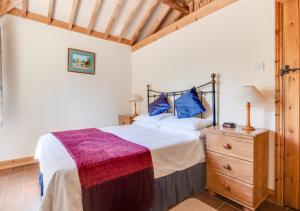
(177, 155)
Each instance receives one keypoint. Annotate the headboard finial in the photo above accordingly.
(213, 76)
(148, 86)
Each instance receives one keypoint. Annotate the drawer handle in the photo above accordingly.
(227, 146)
(227, 167)
(226, 187)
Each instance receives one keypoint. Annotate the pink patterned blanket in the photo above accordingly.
(113, 172)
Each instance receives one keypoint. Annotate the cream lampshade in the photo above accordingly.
(134, 99)
(250, 94)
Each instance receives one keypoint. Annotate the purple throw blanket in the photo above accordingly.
(115, 174)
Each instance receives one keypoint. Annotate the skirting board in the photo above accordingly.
(17, 162)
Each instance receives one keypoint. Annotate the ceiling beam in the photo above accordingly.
(65, 25)
(93, 16)
(25, 8)
(113, 17)
(50, 11)
(176, 6)
(171, 18)
(73, 14)
(7, 5)
(130, 18)
(158, 21)
(144, 20)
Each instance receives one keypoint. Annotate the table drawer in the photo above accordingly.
(233, 167)
(232, 146)
(235, 189)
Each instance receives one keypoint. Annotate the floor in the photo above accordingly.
(19, 191)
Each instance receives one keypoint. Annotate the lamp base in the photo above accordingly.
(248, 128)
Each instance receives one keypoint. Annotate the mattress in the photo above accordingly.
(171, 151)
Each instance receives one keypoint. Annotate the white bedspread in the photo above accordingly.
(170, 150)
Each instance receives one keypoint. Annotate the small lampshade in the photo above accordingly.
(135, 98)
(251, 94)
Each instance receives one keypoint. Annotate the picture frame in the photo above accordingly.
(81, 61)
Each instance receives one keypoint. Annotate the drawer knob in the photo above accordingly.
(226, 187)
(227, 146)
(227, 167)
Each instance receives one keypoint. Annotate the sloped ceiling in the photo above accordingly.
(124, 21)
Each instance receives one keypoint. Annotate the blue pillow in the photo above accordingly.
(189, 104)
(158, 106)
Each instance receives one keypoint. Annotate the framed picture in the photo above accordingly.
(81, 61)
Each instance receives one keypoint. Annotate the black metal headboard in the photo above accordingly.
(209, 88)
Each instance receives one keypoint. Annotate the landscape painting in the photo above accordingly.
(81, 61)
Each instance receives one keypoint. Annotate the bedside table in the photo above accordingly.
(126, 119)
(237, 165)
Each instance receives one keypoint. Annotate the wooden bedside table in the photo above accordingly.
(126, 119)
(237, 164)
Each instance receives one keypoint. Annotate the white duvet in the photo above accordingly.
(171, 150)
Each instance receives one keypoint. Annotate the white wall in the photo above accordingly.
(41, 96)
(229, 42)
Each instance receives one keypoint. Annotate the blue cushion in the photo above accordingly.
(189, 104)
(158, 106)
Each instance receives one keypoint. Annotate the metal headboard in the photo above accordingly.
(152, 94)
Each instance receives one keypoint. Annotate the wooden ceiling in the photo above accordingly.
(129, 22)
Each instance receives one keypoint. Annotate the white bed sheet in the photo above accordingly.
(171, 151)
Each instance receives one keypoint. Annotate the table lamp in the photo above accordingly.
(134, 99)
(250, 94)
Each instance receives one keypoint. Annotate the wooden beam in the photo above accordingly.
(198, 14)
(158, 21)
(8, 5)
(50, 11)
(73, 14)
(65, 25)
(113, 17)
(176, 6)
(25, 8)
(130, 18)
(171, 18)
(93, 16)
(144, 20)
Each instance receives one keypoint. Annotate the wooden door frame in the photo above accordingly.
(279, 128)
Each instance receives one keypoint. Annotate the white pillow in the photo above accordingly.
(146, 119)
(192, 123)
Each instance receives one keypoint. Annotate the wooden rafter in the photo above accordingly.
(198, 14)
(73, 14)
(65, 25)
(144, 20)
(93, 16)
(172, 17)
(113, 17)
(158, 21)
(50, 11)
(25, 8)
(176, 6)
(130, 18)
(7, 5)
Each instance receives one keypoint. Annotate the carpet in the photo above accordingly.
(192, 204)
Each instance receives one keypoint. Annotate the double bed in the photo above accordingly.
(178, 159)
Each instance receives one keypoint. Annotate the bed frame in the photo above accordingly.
(202, 90)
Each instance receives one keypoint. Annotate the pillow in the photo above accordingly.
(148, 118)
(189, 104)
(185, 123)
(158, 106)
